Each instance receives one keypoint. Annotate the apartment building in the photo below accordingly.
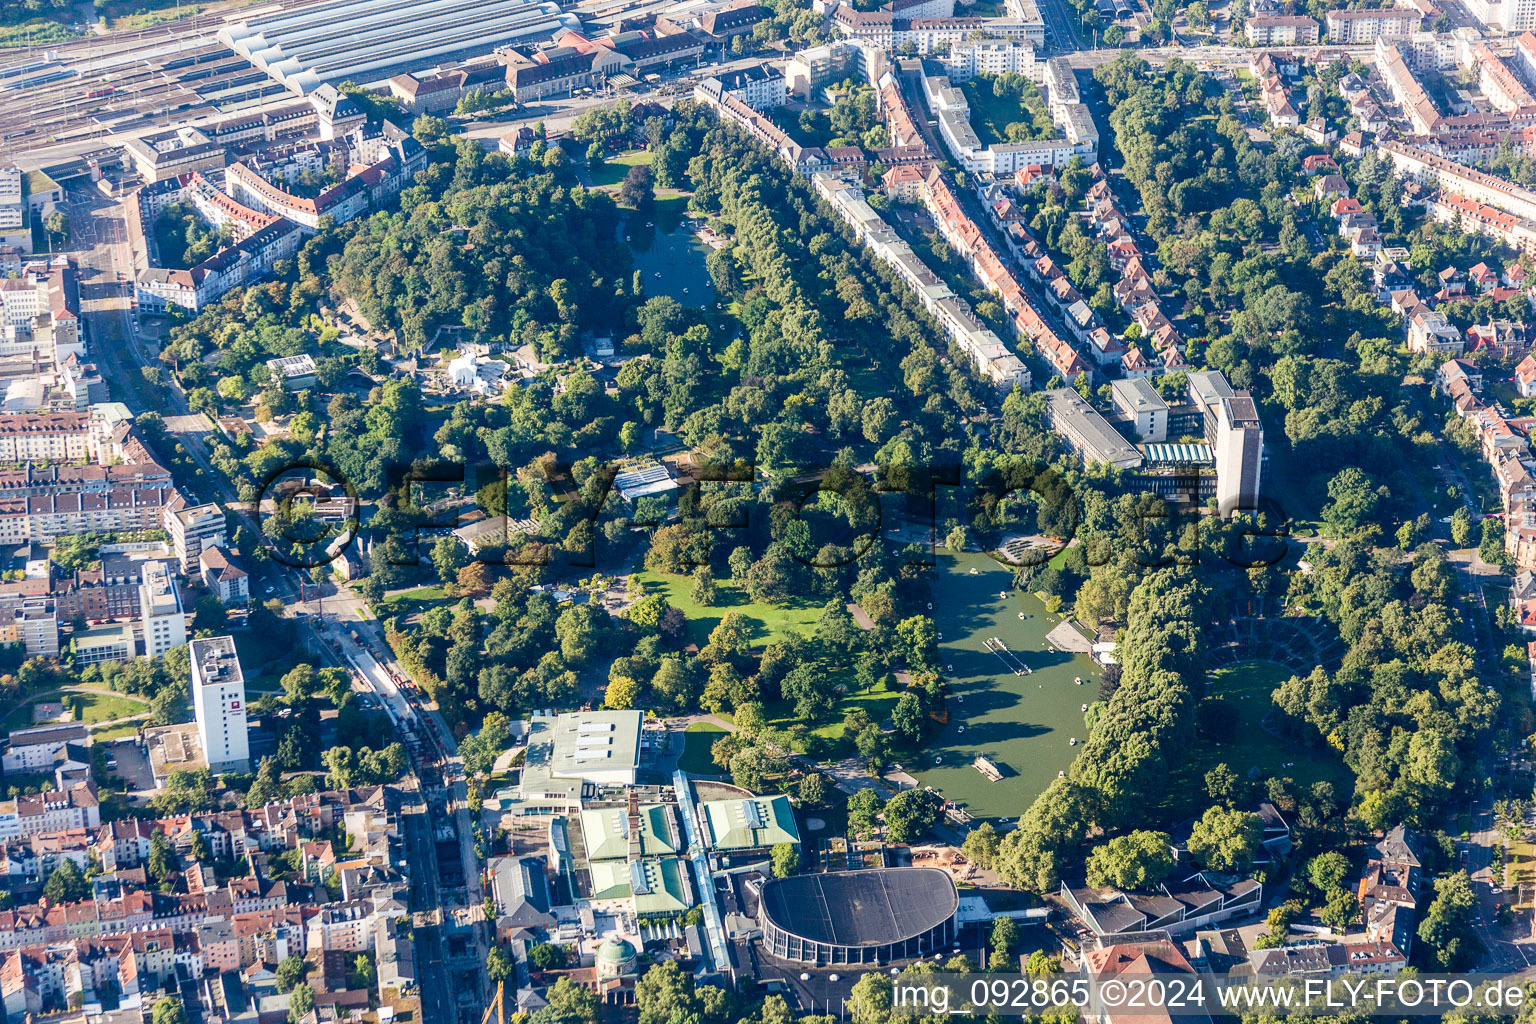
(161, 615)
(33, 750)
(1280, 30)
(1454, 179)
(192, 528)
(761, 87)
(46, 437)
(225, 580)
(53, 811)
(1349, 27)
(32, 622)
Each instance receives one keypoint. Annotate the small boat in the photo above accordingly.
(1021, 615)
(1061, 775)
(1078, 680)
(938, 760)
(628, 239)
(960, 697)
(949, 668)
(973, 572)
(685, 291)
(656, 274)
(1072, 741)
(1085, 707)
(650, 223)
(1002, 595)
(961, 728)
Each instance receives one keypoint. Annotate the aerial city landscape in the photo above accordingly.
(725, 512)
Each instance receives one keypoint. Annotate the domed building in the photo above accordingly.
(615, 958)
(872, 915)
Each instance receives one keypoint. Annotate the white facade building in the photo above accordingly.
(218, 697)
(161, 614)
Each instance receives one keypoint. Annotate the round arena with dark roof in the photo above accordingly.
(858, 917)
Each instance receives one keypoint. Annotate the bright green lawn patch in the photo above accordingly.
(697, 741)
(105, 707)
(1248, 686)
(769, 622)
(613, 170)
(408, 601)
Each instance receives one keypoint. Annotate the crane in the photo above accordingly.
(497, 1005)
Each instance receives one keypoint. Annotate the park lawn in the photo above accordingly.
(1248, 685)
(698, 738)
(409, 601)
(116, 732)
(612, 171)
(769, 622)
(104, 707)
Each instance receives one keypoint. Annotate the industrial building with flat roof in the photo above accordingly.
(857, 917)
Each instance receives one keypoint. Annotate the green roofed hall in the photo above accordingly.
(655, 886)
(750, 823)
(607, 832)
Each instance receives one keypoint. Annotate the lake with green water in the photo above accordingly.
(1023, 723)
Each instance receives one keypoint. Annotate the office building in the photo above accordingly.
(1239, 453)
(1086, 432)
(1207, 388)
(218, 697)
(172, 153)
(1139, 402)
(161, 615)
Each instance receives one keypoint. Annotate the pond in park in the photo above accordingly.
(1023, 723)
(669, 254)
